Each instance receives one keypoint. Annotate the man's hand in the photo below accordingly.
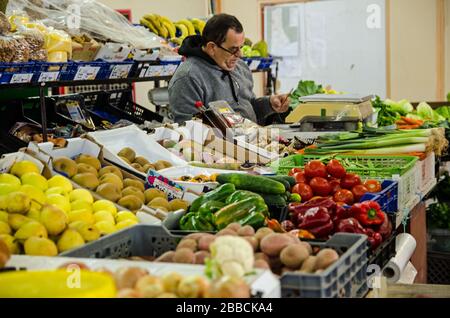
(280, 103)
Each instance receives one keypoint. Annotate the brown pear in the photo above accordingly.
(110, 169)
(128, 153)
(130, 202)
(86, 180)
(109, 191)
(141, 160)
(133, 191)
(111, 178)
(133, 183)
(90, 160)
(84, 167)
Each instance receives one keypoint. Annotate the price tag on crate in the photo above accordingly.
(87, 73)
(21, 78)
(172, 189)
(120, 71)
(48, 77)
(155, 70)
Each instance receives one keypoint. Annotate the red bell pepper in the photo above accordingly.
(385, 229)
(341, 214)
(322, 231)
(313, 217)
(368, 213)
(350, 225)
(375, 239)
(327, 203)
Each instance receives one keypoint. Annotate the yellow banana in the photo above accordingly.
(158, 23)
(199, 25)
(183, 29)
(149, 25)
(170, 28)
(153, 21)
(188, 25)
(177, 41)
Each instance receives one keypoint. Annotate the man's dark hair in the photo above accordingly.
(217, 27)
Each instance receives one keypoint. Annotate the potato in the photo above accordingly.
(253, 242)
(200, 257)
(194, 236)
(262, 256)
(260, 263)
(234, 226)
(274, 243)
(307, 246)
(128, 276)
(167, 257)
(226, 232)
(294, 255)
(128, 293)
(184, 255)
(246, 231)
(294, 238)
(325, 258)
(205, 241)
(259, 235)
(309, 265)
(188, 243)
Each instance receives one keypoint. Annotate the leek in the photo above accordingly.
(380, 143)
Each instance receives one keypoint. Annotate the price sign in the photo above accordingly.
(157, 181)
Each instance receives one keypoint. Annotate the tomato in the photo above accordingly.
(344, 195)
(359, 191)
(294, 171)
(335, 169)
(373, 185)
(300, 177)
(304, 190)
(335, 185)
(315, 168)
(320, 186)
(350, 180)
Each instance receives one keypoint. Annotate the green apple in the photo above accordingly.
(125, 215)
(22, 167)
(105, 205)
(81, 194)
(33, 193)
(125, 223)
(81, 204)
(35, 179)
(81, 215)
(105, 227)
(60, 181)
(103, 216)
(60, 201)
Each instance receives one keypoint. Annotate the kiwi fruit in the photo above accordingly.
(178, 204)
(152, 193)
(159, 202)
(136, 166)
(130, 202)
(141, 160)
(127, 153)
(134, 183)
(134, 191)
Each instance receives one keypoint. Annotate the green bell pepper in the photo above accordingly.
(219, 194)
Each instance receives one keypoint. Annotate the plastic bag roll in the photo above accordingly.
(405, 245)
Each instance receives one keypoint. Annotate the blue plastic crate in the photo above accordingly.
(16, 72)
(116, 70)
(82, 71)
(387, 198)
(49, 72)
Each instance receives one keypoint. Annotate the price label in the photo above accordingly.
(21, 78)
(254, 64)
(120, 71)
(87, 73)
(48, 77)
(155, 70)
(157, 181)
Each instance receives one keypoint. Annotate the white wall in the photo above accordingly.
(173, 9)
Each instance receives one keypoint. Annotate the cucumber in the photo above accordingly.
(274, 199)
(286, 184)
(252, 183)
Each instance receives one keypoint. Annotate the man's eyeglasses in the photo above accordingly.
(236, 51)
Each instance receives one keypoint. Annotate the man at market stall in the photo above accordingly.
(215, 71)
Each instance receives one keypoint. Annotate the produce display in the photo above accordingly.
(140, 163)
(47, 217)
(259, 49)
(198, 178)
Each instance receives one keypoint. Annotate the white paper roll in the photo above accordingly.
(405, 245)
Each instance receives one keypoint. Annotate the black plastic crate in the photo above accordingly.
(383, 253)
(438, 271)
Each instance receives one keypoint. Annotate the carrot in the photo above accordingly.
(412, 121)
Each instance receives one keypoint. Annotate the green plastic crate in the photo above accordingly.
(371, 166)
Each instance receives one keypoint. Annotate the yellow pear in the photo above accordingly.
(81, 215)
(7, 178)
(89, 232)
(66, 166)
(17, 220)
(70, 239)
(4, 202)
(125, 215)
(81, 204)
(54, 219)
(22, 167)
(90, 160)
(6, 188)
(60, 181)
(39, 246)
(103, 216)
(4, 228)
(125, 223)
(4, 216)
(18, 202)
(34, 214)
(33, 193)
(11, 243)
(105, 205)
(29, 229)
(105, 227)
(81, 194)
(56, 190)
(35, 179)
(60, 201)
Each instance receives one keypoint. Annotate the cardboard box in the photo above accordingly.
(113, 52)
(85, 52)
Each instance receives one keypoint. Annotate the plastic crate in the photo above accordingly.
(345, 278)
(139, 240)
(142, 69)
(438, 268)
(258, 63)
(383, 254)
(427, 176)
(387, 198)
(49, 72)
(133, 112)
(11, 73)
(82, 71)
(116, 70)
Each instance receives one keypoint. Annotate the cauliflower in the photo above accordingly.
(230, 256)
